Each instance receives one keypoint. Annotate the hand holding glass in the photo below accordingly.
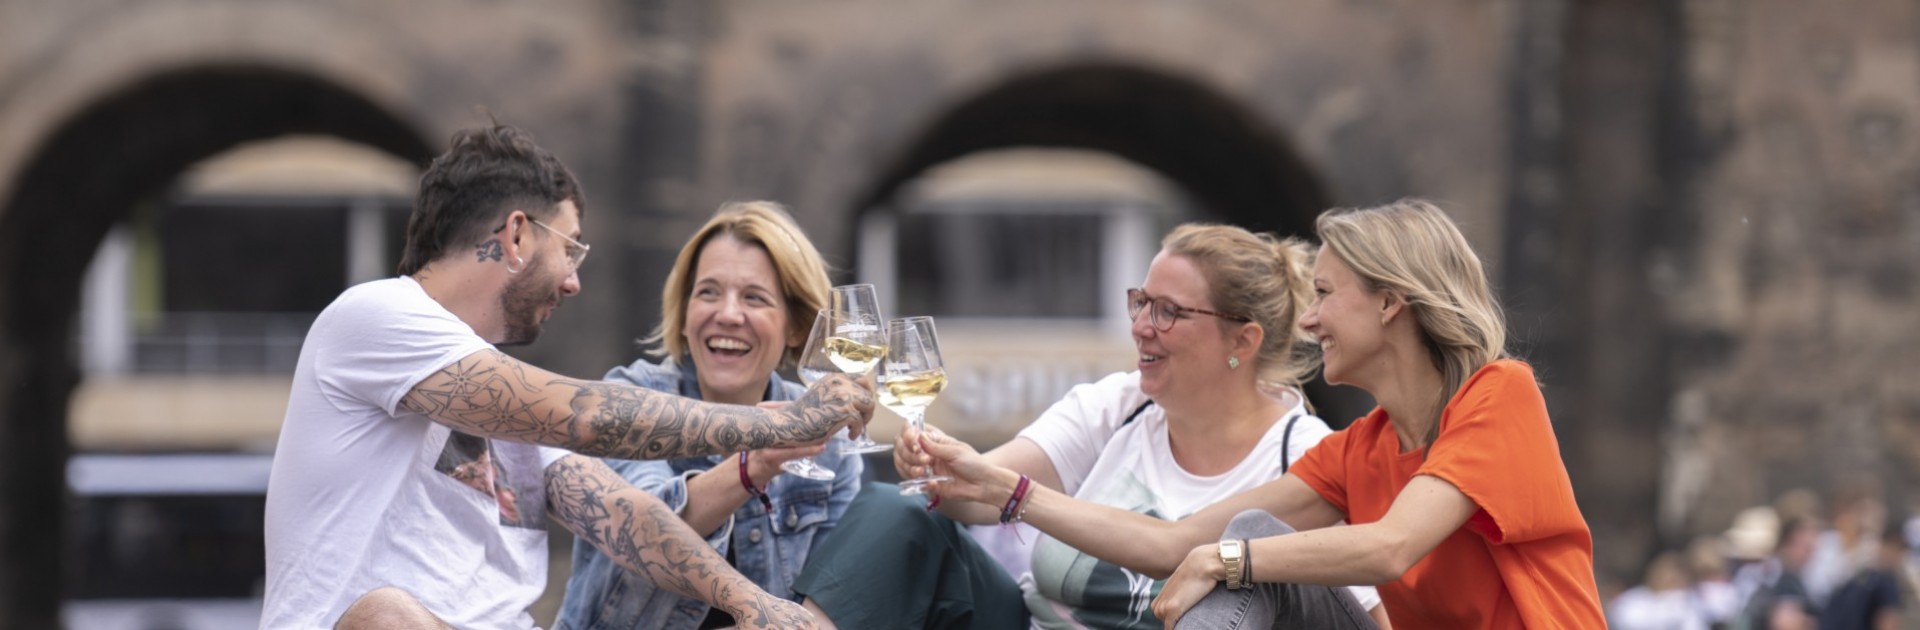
(912, 377)
(857, 343)
(813, 365)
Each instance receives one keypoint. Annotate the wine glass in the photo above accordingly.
(911, 378)
(813, 365)
(857, 343)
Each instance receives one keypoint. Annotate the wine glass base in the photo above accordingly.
(858, 449)
(919, 485)
(806, 468)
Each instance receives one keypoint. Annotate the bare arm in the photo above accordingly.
(1019, 455)
(1136, 541)
(714, 495)
(642, 535)
(1424, 514)
(494, 395)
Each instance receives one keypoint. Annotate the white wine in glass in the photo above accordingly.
(914, 375)
(853, 357)
(857, 343)
(912, 392)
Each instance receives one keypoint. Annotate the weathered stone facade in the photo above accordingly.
(1704, 213)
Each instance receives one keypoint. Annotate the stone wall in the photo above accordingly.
(1704, 213)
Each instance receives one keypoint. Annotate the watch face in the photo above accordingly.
(1230, 549)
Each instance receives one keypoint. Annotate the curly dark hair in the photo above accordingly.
(486, 173)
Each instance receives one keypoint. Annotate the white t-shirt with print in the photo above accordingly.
(365, 495)
(1104, 459)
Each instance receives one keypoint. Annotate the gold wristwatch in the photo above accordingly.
(1230, 555)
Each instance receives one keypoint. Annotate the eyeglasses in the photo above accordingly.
(1162, 312)
(576, 250)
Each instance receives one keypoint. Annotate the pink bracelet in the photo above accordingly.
(1011, 511)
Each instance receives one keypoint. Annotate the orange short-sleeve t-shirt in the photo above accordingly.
(1524, 559)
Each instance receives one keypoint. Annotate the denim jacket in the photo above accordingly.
(771, 552)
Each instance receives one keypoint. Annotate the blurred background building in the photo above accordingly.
(1704, 216)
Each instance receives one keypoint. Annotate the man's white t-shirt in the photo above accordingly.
(365, 495)
(1103, 458)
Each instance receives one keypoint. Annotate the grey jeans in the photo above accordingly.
(1269, 605)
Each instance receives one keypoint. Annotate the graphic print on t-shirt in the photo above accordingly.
(470, 460)
(1100, 594)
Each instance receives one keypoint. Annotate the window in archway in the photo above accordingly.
(1046, 234)
(226, 272)
(1024, 257)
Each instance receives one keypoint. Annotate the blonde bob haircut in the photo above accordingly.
(1412, 249)
(1263, 278)
(766, 224)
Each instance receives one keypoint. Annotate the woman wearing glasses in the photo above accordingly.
(1213, 409)
(1462, 509)
(738, 303)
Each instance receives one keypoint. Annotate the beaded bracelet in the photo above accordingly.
(747, 482)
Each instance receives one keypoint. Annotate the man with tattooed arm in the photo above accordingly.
(416, 459)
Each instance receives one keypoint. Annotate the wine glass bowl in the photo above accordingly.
(855, 343)
(813, 365)
(912, 377)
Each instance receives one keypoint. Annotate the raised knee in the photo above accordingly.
(1256, 523)
(387, 607)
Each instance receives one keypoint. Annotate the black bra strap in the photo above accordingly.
(1286, 441)
(1136, 413)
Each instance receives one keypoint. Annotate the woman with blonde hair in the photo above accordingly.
(1459, 504)
(1212, 409)
(738, 304)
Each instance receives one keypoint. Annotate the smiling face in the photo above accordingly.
(1180, 362)
(549, 278)
(736, 329)
(1345, 318)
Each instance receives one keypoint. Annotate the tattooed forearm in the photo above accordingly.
(636, 424)
(640, 533)
(492, 394)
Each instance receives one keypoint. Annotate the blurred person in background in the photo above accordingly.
(737, 305)
(399, 384)
(1715, 599)
(1874, 598)
(1751, 539)
(1213, 409)
(1663, 601)
(1462, 509)
(1850, 543)
(1781, 601)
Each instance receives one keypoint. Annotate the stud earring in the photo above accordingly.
(1233, 363)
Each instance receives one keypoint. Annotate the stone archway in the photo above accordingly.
(1166, 123)
(1236, 166)
(84, 177)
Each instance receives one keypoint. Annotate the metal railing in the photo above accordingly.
(218, 342)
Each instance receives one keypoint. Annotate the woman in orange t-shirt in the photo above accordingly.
(1461, 509)
(1459, 505)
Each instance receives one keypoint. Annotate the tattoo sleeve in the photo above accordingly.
(638, 531)
(491, 394)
